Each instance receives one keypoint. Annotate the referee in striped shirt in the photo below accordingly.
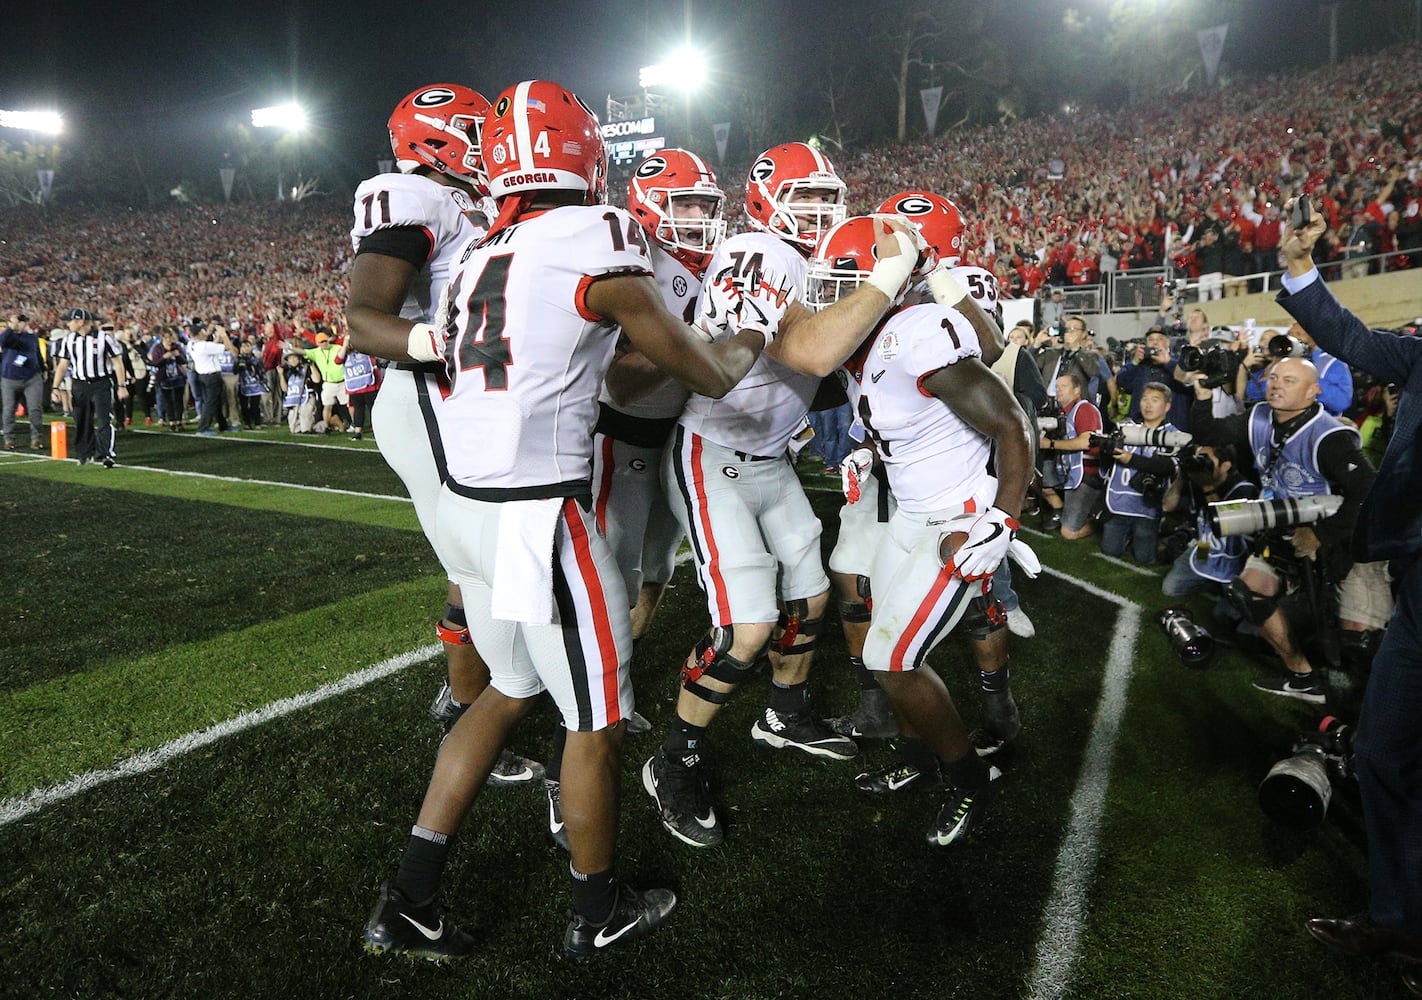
(86, 353)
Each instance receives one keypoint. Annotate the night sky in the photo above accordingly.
(174, 74)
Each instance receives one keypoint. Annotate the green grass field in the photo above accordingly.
(155, 848)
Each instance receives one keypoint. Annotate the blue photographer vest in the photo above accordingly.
(1120, 497)
(295, 389)
(360, 371)
(1069, 465)
(1216, 558)
(1292, 470)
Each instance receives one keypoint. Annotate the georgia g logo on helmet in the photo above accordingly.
(433, 98)
(912, 205)
(762, 170)
(651, 167)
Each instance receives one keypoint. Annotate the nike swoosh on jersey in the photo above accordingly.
(876, 375)
(604, 939)
(433, 935)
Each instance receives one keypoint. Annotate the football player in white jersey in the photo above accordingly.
(754, 536)
(528, 335)
(934, 413)
(861, 524)
(674, 195)
(407, 228)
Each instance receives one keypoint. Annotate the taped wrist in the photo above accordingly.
(423, 345)
(890, 273)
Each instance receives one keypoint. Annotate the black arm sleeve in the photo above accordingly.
(1212, 430)
(408, 243)
(1350, 475)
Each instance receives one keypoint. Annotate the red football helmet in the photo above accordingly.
(657, 195)
(438, 127)
(843, 259)
(540, 137)
(937, 218)
(774, 187)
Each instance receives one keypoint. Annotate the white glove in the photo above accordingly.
(720, 306)
(852, 470)
(986, 546)
(1021, 553)
(762, 309)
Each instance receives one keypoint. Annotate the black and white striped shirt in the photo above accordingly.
(89, 353)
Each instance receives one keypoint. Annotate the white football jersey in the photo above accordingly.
(680, 286)
(526, 357)
(933, 458)
(767, 407)
(448, 214)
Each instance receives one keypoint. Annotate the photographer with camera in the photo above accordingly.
(1074, 352)
(1150, 362)
(1299, 451)
(1208, 474)
(1387, 751)
(1334, 378)
(1139, 476)
(1070, 464)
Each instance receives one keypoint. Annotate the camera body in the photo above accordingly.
(1140, 436)
(1049, 420)
(1218, 362)
(1196, 464)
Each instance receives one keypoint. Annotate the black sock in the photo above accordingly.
(862, 674)
(996, 681)
(683, 742)
(594, 896)
(917, 754)
(553, 766)
(422, 864)
(969, 772)
(789, 699)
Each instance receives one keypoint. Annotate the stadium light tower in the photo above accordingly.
(291, 117)
(48, 122)
(684, 71)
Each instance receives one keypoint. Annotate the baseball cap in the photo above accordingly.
(323, 338)
(77, 313)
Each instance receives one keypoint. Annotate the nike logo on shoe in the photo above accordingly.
(708, 821)
(899, 781)
(604, 939)
(433, 935)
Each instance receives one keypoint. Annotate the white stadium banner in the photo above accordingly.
(227, 174)
(722, 131)
(1211, 48)
(932, 98)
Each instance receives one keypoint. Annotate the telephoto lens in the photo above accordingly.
(1245, 517)
(1138, 435)
(1194, 645)
(1296, 791)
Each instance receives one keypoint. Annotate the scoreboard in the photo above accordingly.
(632, 140)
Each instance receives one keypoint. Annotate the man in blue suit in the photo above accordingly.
(1388, 748)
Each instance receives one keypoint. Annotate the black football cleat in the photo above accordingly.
(404, 928)
(636, 915)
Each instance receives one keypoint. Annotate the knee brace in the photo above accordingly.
(860, 610)
(985, 615)
(458, 635)
(1356, 649)
(713, 659)
(1253, 608)
(795, 622)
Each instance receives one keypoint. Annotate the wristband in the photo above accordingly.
(946, 289)
(890, 273)
(422, 345)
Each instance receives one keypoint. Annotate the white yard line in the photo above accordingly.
(32, 802)
(1068, 905)
(245, 437)
(265, 482)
